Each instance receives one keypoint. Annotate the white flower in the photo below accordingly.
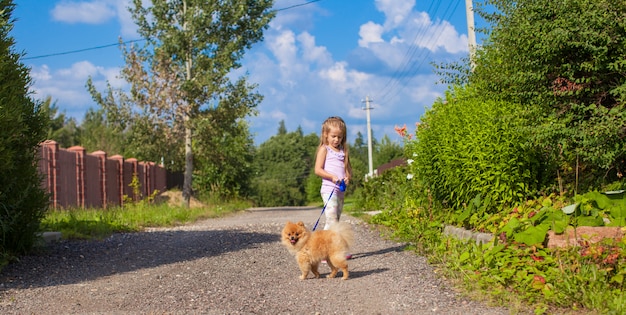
(409, 176)
(414, 154)
(409, 161)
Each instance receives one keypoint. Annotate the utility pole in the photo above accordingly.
(369, 136)
(471, 34)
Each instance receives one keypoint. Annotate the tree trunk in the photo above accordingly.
(188, 150)
(187, 191)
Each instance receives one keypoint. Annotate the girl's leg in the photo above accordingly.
(331, 211)
(339, 206)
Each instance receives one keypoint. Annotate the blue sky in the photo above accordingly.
(319, 59)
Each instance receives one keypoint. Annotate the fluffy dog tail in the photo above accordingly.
(345, 231)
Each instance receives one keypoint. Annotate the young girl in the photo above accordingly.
(332, 164)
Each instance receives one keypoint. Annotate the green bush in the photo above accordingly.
(468, 146)
(312, 188)
(565, 62)
(22, 201)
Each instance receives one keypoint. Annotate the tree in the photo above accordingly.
(24, 124)
(95, 134)
(387, 151)
(191, 48)
(282, 130)
(61, 129)
(225, 146)
(565, 63)
(282, 165)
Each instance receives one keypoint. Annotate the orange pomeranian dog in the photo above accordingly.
(310, 248)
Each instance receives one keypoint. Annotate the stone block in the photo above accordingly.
(592, 234)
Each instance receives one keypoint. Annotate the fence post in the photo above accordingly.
(49, 156)
(80, 174)
(120, 176)
(102, 173)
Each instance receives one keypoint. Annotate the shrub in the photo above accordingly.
(22, 201)
(468, 146)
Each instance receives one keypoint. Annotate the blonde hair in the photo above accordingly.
(337, 122)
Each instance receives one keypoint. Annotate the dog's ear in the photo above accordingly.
(300, 223)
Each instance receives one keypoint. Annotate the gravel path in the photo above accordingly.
(231, 265)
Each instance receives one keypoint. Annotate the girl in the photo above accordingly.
(332, 164)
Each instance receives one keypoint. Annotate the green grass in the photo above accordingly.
(100, 223)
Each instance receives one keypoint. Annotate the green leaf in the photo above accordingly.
(464, 256)
(589, 221)
(511, 226)
(618, 213)
(533, 235)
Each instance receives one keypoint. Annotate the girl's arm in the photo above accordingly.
(320, 160)
(348, 172)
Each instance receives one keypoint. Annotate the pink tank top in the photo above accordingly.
(334, 164)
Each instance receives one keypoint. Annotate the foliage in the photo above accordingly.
(511, 273)
(61, 129)
(107, 127)
(468, 146)
(516, 268)
(99, 224)
(386, 150)
(312, 187)
(224, 145)
(24, 126)
(282, 165)
(565, 62)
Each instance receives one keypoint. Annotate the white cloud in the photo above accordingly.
(41, 73)
(67, 86)
(396, 11)
(79, 71)
(94, 12)
(370, 32)
(311, 52)
(127, 25)
(283, 47)
(342, 79)
(97, 12)
(406, 28)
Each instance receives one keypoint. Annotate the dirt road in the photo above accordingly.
(231, 265)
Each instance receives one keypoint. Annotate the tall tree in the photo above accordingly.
(24, 125)
(191, 48)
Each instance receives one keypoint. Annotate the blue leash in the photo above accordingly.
(318, 219)
(342, 187)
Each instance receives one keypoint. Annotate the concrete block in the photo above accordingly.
(50, 237)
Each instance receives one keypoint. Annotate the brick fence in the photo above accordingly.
(74, 178)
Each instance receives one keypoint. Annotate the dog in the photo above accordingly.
(310, 248)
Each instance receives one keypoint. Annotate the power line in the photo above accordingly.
(138, 40)
(408, 56)
(297, 5)
(389, 94)
(81, 50)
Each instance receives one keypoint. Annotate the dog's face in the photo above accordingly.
(293, 233)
